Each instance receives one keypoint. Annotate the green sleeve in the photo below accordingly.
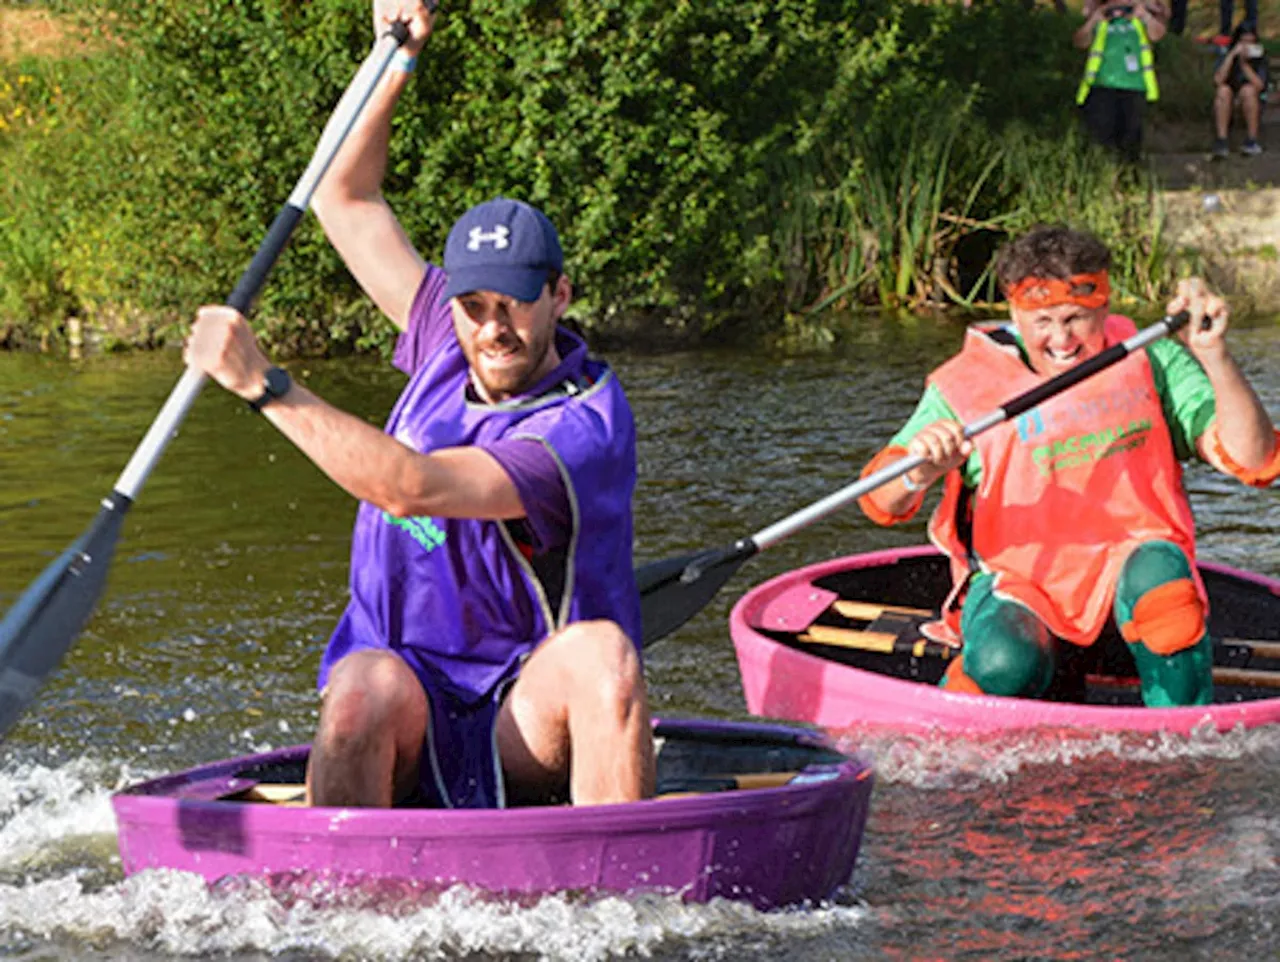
(934, 407)
(1185, 394)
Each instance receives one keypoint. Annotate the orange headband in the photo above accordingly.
(1086, 290)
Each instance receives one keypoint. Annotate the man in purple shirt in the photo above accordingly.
(489, 653)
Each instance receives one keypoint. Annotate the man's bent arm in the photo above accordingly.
(1083, 37)
(1243, 425)
(462, 482)
(1155, 25)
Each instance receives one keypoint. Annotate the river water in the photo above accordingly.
(231, 572)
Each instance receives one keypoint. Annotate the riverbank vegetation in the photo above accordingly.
(708, 163)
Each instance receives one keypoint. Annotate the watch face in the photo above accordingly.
(277, 382)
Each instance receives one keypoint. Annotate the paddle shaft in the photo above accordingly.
(250, 284)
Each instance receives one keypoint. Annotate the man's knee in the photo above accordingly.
(1009, 664)
(1008, 650)
(1167, 619)
(581, 695)
(601, 661)
(367, 690)
(1157, 601)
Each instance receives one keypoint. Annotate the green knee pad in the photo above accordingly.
(1184, 677)
(1007, 649)
(1150, 565)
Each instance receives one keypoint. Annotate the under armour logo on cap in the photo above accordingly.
(497, 237)
(502, 245)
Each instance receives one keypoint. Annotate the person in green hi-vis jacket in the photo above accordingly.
(1119, 75)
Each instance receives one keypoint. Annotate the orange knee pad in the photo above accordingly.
(956, 680)
(1167, 619)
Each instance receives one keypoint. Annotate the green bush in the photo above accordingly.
(31, 285)
(705, 161)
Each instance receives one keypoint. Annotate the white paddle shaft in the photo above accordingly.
(343, 119)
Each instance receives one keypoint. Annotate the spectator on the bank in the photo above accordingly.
(1119, 75)
(1241, 78)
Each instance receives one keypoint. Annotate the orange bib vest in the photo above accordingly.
(1068, 488)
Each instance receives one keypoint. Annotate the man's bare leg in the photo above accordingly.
(578, 714)
(369, 741)
(1223, 98)
(1251, 107)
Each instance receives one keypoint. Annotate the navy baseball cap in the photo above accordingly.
(501, 245)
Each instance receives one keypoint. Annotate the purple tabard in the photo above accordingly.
(456, 597)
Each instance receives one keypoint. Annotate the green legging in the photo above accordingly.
(1008, 650)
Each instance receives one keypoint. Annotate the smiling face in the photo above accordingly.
(509, 344)
(1060, 337)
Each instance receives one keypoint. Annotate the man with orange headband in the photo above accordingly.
(1075, 512)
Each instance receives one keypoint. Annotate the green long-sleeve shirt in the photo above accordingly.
(1181, 384)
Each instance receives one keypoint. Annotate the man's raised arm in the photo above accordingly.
(348, 202)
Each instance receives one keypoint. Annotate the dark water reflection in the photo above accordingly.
(1118, 859)
(232, 571)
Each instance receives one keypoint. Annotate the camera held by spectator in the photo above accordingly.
(1240, 77)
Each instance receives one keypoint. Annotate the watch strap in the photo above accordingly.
(275, 384)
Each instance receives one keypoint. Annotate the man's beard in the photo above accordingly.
(514, 380)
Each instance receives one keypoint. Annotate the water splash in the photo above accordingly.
(939, 760)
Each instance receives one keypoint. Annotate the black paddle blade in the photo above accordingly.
(41, 627)
(673, 591)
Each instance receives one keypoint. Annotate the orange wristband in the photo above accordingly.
(1256, 477)
(877, 514)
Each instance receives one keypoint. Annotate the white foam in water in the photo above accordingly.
(176, 912)
(1237, 870)
(40, 806)
(943, 761)
(48, 810)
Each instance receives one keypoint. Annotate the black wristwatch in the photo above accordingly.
(275, 384)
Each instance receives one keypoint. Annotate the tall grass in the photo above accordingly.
(1185, 71)
(820, 243)
(915, 186)
(889, 231)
